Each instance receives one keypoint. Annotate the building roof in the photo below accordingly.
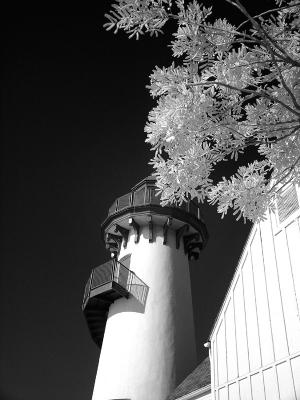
(197, 379)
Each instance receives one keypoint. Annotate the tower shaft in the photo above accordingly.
(149, 348)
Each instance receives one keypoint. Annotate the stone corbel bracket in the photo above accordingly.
(193, 255)
(150, 227)
(180, 232)
(113, 242)
(166, 227)
(191, 250)
(187, 240)
(136, 229)
(124, 233)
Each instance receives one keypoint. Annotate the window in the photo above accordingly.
(287, 203)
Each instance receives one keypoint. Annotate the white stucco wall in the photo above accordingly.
(147, 352)
(255, 343)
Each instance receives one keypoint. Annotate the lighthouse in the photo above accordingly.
(138, 305)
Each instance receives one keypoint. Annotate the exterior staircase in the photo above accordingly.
(107, 283)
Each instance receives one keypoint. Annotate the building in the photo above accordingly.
(254, 345)
(138, 306)
(255, 341)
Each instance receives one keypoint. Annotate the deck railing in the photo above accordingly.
(148, 195)
(114, 271)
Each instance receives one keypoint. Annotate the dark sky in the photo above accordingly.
(74, 106)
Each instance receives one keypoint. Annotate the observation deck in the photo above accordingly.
(141, 203)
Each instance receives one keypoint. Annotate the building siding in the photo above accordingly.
(255, 342)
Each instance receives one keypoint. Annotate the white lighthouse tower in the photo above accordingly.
(138, 306)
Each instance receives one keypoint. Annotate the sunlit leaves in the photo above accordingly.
(138, 16)
(231, 88)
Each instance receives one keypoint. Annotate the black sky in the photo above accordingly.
(74, 106)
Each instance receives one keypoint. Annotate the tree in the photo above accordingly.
(232, 88)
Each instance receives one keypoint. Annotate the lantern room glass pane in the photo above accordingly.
(124, 201)
(154, 198)
(139, 197)
(112, 208)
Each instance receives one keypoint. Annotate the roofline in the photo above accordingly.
(227, 294)
(149, 178)
(190, 396)
(249, 238)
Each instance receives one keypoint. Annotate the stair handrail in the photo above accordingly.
(113, 270)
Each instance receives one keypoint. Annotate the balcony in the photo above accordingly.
(107, 283)
(144, 194)
(142, 201)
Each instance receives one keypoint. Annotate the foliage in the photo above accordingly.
(232, 88)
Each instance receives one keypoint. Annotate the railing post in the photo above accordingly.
(89, 289)
(114, 270)
(91, 280)
(143, 291)
(129, 281)
(118, 269)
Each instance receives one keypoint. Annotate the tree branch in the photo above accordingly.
(289, 169)
(262, 93)
(268, 12)
(260, 29)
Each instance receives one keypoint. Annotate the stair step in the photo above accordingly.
(97, 320)
(96, 302)
(97, 337)
(95, 311)
(99, 327)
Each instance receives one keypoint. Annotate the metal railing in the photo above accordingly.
(147, 195)
(114, 271)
